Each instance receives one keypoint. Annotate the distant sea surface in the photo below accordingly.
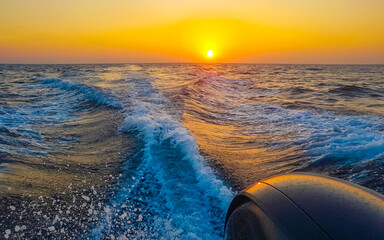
(157, 151)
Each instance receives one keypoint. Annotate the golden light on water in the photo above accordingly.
(210, 53)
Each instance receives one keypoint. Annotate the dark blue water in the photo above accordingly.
(157, 151)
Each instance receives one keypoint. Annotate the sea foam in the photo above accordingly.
(174, 194)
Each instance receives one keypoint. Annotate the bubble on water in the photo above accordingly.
(124, 215)
(93, 190)
(55, 219)
(107, 209)
(122, 237)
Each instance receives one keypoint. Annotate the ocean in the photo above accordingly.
(157, 151)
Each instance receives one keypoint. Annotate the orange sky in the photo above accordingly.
(273, 31)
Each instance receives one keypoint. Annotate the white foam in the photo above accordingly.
(175, 193)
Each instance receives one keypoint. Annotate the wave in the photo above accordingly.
(355, 91)
(217, 89)
(173, 194)
(299, 90)
(347, 140)
(314, 69)
(92, 93)
(326, 136)
(42, 104)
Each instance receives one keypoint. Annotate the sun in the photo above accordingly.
(210, 53)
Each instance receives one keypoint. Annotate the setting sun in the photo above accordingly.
(210, 53)
(120, 31)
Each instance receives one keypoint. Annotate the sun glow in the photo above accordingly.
(210, 53)
(123, 31)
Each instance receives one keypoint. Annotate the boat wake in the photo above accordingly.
(168, 191)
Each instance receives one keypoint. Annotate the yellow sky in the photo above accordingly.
(273, 31)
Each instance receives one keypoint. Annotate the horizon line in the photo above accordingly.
(259, 63)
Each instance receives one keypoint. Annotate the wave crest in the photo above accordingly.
(92, 93)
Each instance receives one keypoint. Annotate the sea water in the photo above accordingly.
(157, 151)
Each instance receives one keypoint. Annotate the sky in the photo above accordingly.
(240, 31)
